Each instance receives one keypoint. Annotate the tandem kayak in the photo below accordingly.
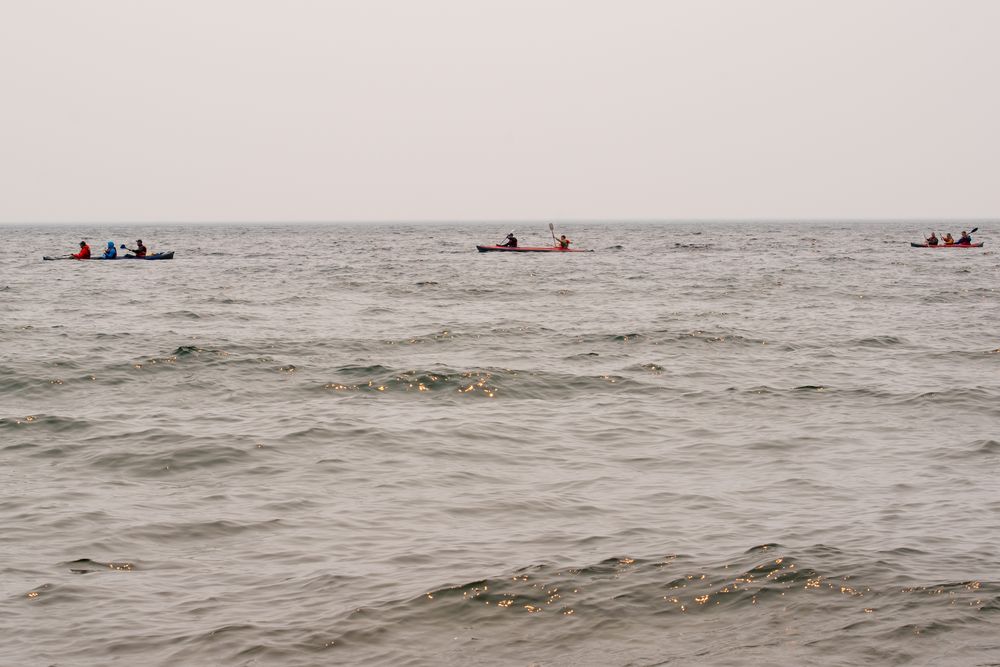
(954, 245)
(155, 255)
(500, 248)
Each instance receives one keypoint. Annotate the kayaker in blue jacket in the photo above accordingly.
(110, 252)
(509, 242)
(965, 239)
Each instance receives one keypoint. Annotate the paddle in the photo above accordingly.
(552, 230)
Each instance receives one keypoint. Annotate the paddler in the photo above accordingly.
(563, 242)
(84, 251)
(947, 238)
(139, 250)
(965, 239)
(510, 241)
(110, 252)
(932, 239)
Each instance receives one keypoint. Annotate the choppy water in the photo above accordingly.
(306, 445)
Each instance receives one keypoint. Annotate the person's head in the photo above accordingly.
(965, 233)
(83, 244)
(138, 241)
(562, 236)
(111, 244)
(932, 234)
(511, 235)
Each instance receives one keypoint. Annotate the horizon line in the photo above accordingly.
(499, 221)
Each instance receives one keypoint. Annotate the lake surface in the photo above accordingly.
(720, 444)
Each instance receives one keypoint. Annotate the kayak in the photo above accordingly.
(954, 245)
(155, 255)
(500, 248)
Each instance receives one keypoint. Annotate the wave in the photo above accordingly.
(45, 423)
(484, 382)
(88, 566)
(982, 398)
(669, 336)
(878, 341)
(815, 590)
(133, 453)
(971, 451)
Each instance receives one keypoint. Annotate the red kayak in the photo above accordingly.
(501, 248)
(942, 245)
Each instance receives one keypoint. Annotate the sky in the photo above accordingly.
(464, 110)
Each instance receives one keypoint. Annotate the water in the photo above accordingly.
(305, 445)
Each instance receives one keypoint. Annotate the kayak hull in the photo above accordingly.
(954, 245)
(500, 248)
(155, 255)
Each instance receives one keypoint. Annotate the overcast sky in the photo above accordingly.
(336, 110)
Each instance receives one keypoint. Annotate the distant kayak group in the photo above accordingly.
(964, 239)
(948, 241)
(509, 244)
(562, 244)
(111, 252)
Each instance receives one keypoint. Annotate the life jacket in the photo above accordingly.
(140, 251)
(110, 252)
(84, 253)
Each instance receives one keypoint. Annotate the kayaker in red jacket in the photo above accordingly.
(84, 251)
(563, 242)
